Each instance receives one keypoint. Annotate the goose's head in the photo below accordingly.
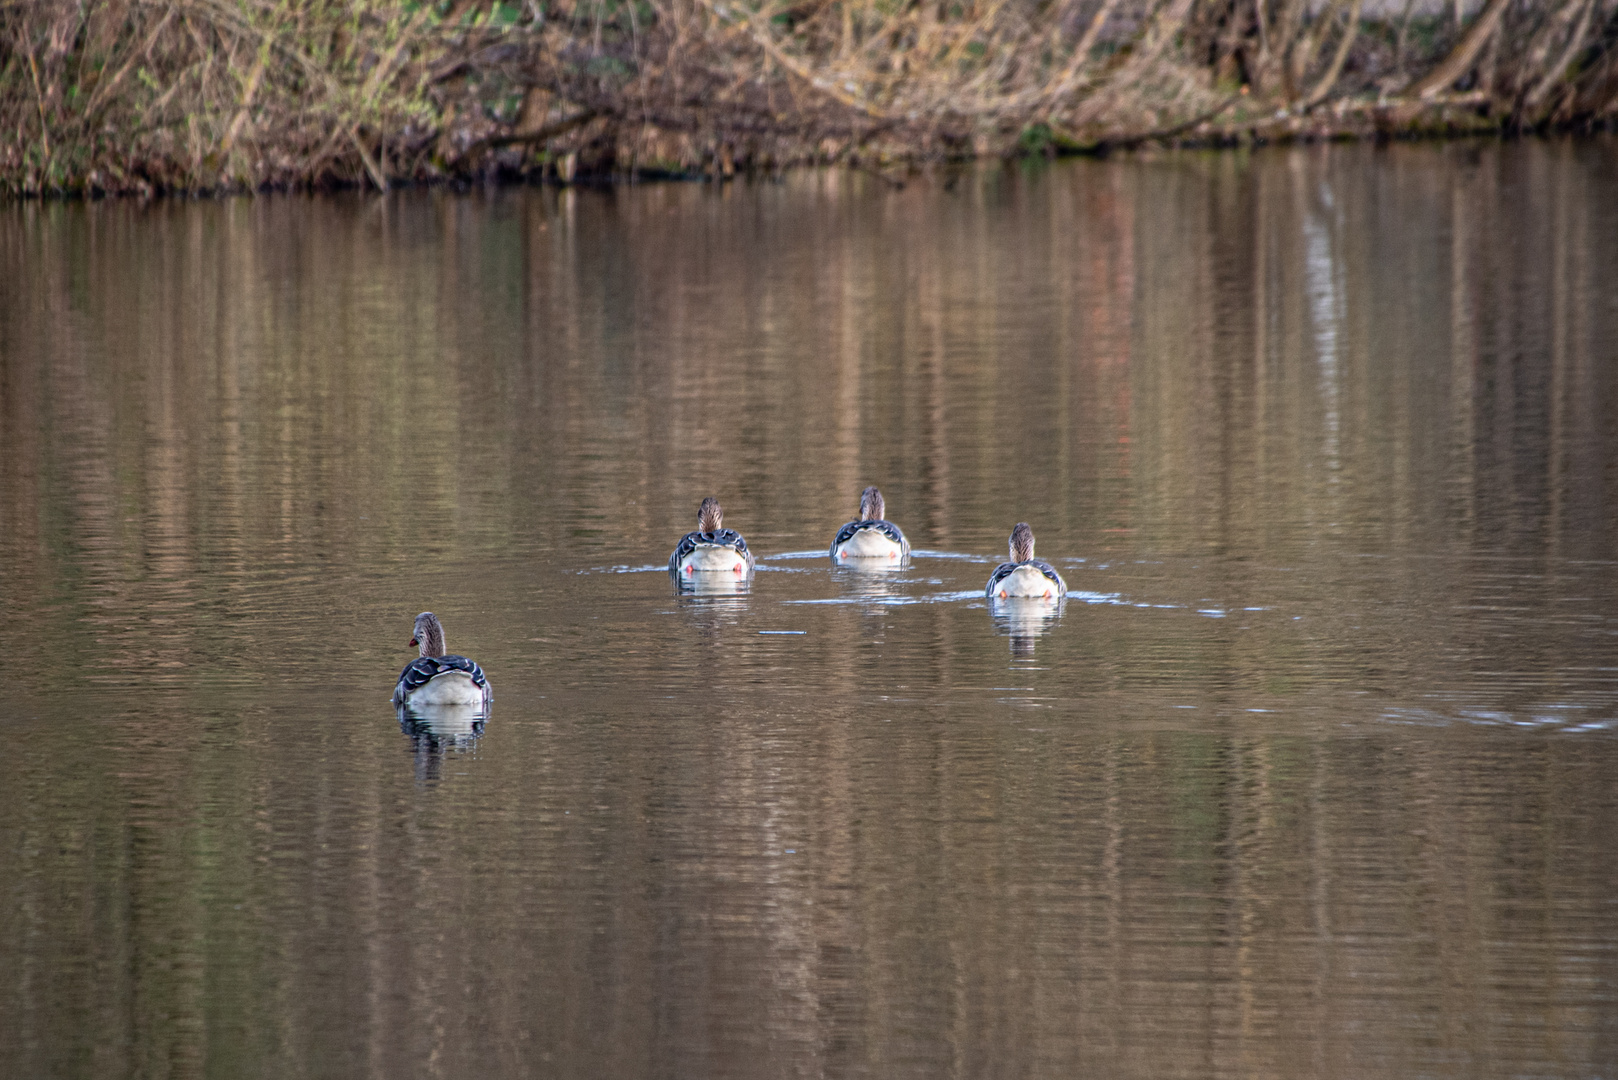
(429, 634)
(1022, 543)
(710, 516)
(872, 507)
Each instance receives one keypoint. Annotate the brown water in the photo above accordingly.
(1315, 772)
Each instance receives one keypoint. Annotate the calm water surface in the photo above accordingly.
(1314, 773)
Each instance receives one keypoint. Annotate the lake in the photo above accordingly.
(1313, 772)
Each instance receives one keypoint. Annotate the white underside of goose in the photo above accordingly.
(1028, 581)
(713, 559)
(870, 544)
(453, 688)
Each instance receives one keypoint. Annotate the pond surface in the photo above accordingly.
(1313, 773)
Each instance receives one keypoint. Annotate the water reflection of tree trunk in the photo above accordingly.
(930, 299)
(1322, 973)
(1561, 315)
(1248, 846)
(1116, 952)
(1596, 518)
(850, 338)
(1463, 355)
(838, 959)
(1261, 315)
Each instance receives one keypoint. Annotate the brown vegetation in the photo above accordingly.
(142, 95)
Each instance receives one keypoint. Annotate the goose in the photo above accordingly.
(436, 678)
(712, 548)
(1024, 575)
(870, 537)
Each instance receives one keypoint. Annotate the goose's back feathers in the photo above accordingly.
(721, 540)
(1034, 578)
(442, 680)
(870, 538)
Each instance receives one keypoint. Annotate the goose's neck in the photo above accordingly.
(872, 507)
(1022, 543)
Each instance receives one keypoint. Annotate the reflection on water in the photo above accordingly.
(1026, 619)
(712, 584)
(880, 580)
(872, 565)
(452, 724)
(1314, 771)
(435, 731)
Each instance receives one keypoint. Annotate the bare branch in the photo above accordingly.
(1466, 50)
(1351, 31)
(1558, 68)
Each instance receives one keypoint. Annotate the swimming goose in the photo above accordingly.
(870, 537)
(1025, 575)
(712, 548)
(437, 679)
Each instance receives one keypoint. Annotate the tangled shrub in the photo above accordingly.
(191, 95)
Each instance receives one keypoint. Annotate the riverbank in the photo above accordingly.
(151, 96)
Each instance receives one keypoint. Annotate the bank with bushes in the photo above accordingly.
(146, 96)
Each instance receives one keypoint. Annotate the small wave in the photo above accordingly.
(896, 601)
(924, 553)
(1589, 725)
(1562, 719)
(886, 601)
